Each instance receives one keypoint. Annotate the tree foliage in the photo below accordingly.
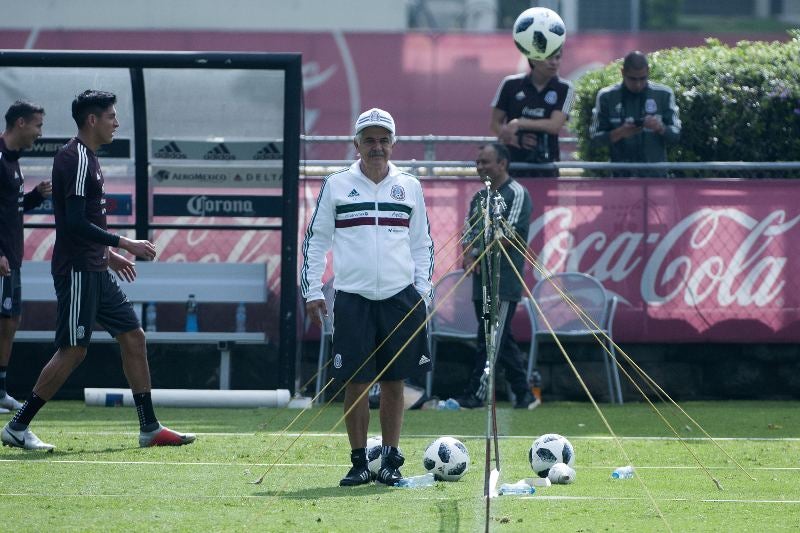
(738, 103)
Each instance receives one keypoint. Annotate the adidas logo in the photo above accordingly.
(353, 194)
(170, 151)
(424, 360)
(270, 151)
(219, 152)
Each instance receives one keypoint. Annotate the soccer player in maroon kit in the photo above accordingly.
(85, 289)
(24, 122)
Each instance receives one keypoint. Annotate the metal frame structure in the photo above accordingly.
(136, 62)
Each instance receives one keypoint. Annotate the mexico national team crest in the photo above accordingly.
(337, 361)
(398, 192)
(550, 98)
(650, 106)
(7, 303)
(81, 332)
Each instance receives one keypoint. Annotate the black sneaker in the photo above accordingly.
(469, 401)
(525, 401)
(357, 475)
(389, 474)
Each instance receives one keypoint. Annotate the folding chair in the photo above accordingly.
(454, 319)
(590, 296)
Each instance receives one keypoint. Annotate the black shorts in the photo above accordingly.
(10, 295)
(360, 325)
(88, 297)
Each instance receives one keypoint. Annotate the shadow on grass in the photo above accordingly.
(329, 492)
(448, 516)
(37, 455)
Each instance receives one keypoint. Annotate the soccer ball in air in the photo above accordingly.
(447, 458)
(548, 450)
(539, 33)
(374, 445)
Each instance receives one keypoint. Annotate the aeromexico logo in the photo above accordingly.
(725, 255)
(209, 206)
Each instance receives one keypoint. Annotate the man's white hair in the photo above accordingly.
(358, 137)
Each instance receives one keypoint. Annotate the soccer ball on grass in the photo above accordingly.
(374, 445)
(447, 458)
(539, 33)
(548, 450)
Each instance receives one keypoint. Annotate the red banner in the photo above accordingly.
(690, 260)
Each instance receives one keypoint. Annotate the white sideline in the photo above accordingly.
(417, 498)
(24, 459)
(478, 437)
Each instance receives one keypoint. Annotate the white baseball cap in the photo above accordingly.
(375, 117)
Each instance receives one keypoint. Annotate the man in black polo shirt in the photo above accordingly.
(86, 291)
(528, 113)
(24, 122)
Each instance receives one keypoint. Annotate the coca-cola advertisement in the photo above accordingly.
(690, 260)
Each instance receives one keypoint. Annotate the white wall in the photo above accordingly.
(372, 15)
(791, 11)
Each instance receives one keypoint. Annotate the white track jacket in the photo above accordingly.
(379, 233)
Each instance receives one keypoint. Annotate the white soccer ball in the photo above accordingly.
(539, 33)
(447, 458)
(374, 445)
(548, 450)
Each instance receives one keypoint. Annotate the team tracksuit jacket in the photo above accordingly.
(615, 104)
(379, 233)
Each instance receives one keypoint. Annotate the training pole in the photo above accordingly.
(490, 277)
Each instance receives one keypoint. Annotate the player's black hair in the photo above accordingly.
(635, 60)
(499, 149)
(91, 102)
(21, 109)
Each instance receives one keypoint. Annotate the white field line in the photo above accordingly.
(480, 437)
(24, 459)
(628, 498)
(388, 490)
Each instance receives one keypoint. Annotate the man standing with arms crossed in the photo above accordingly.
(24, 122)
(492, 164)
(86, 291)
(374, 217)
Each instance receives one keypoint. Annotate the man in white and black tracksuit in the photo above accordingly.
(373, 216)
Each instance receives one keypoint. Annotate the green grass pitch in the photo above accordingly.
(99, 480)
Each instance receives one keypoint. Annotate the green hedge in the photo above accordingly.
(737, 103)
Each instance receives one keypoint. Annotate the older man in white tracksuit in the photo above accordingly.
(374, 217)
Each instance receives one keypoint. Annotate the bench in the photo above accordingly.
(168, 282)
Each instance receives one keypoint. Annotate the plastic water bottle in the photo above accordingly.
(449, 404)
(191, 314)
(520, 487)
(241, 318)
(413, 482)
(150, 317)
(623, 472)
